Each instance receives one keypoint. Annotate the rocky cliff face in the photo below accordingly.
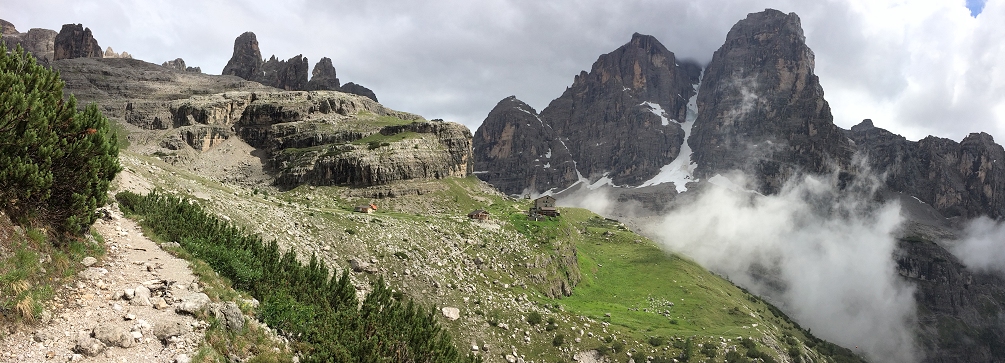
(323, 77)
(956, 178)
(761, 109)
(517, 152)
(607, 116)
(246, 62)
(621, 121)
(39, 42)
(288, 75)
(960, 317)
(75, 41)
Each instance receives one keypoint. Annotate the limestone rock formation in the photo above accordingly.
(610, 119)
(517, 152)
(323, 77)
(761, 109)
(109, 53)
(39, 42)
(358, 90)
(956, 178)
(290, 75)
(178, 64)
(246, 61)
(75, 41)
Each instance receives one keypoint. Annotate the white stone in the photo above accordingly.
(451, 313)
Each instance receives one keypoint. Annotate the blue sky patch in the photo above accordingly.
(975, 6)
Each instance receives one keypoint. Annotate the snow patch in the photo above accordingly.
(658, 111)
(680, 171)
(548, 154)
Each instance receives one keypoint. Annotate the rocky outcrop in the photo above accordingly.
(39, 42)
(179, 65)
(109, 53)
(290, 75)
(358, 90)
(327, 137)
(75, 41)
(761, 109)
(246, 62)
(960, 314)
(956, 178)
(517, 152)
(323, 77)
(610, 120)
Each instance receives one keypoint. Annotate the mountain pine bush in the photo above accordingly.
(55, 161)
(317, 307)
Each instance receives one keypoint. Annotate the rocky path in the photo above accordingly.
(128, 307)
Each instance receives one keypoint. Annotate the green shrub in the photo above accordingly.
(559, 340)
(534, 318)
(657, 341)
(305, 302)
(618, 346)
(55, 162)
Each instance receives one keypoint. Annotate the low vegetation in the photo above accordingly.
(319, 309)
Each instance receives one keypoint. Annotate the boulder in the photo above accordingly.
(451, 313)
(75, 41)
(88, 261)
(229, 314)
(141, 296)
(166, 331)
(177, 64)
(113, 336)
(88, 346)
(193, 304)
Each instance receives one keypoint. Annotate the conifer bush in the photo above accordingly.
(308, 302)
(55, 161)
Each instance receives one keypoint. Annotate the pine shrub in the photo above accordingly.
(55, 161)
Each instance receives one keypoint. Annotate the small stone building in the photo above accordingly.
(479, 214)
(365, 208)
(544, 206)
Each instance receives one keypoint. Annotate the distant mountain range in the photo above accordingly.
(653, 126)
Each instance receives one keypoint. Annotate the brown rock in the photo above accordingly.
(75, 41)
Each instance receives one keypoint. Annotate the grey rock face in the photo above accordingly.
(517, 152)
(323, 77)
(178, 64)
(761, 109)
(604, 121)
(39, 42)
(956, 178)
(231, 315)
(246, 61)
(290, 75)
(75, 41)
(358, 90)
(953, 299)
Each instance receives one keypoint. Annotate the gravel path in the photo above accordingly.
(127, 330)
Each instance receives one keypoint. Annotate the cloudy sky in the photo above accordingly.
(916, 67)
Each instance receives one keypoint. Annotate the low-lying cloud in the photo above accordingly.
(982, 247)
(823, 255)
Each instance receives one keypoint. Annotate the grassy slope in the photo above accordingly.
(623, 274)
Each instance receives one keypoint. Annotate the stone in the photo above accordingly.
(358, 266)
(230, 314)
(92, 273)
(165, 331)
(112, 335)
(75, 41)
(159, 303)
(88, 261)
(451, 313)
(109, 53)
(129, 294)
(192, 304)
(182, 358)
(88, 346)
(177, 64)
(358, 90)
(141, 296)
(39, 42)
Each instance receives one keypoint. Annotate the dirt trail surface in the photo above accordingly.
(123, 308)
